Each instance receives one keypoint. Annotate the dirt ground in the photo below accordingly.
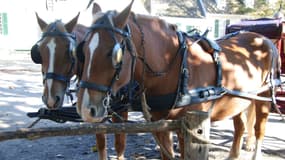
(20, 92)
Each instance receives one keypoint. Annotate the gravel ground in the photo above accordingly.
(20, 92)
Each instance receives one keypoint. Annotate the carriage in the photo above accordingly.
(273, 29)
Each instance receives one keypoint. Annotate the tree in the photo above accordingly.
(261, 8)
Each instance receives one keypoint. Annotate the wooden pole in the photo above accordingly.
(196, 131)
(88, 128)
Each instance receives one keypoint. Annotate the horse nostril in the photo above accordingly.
(57, 100)
(92, 112)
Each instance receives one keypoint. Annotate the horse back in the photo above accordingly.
(247, 59)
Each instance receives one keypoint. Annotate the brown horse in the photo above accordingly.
(55, 51)
(178, 73)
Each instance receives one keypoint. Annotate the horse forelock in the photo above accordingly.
(60, 26)
(57, 25)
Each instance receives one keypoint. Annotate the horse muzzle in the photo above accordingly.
(52, 102)
(92, 113)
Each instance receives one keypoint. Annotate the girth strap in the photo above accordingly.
(199, 95)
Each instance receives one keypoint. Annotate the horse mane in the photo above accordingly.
(141, 17)
(161, 22)
(79, 30)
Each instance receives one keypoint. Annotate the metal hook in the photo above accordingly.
(107, 101)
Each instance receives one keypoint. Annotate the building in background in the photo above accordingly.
(18, 25)
(19, 29)
(189, 15)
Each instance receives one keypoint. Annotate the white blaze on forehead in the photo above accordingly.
(51, 46)
(92, 46)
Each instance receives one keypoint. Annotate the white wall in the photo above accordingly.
(23, 30)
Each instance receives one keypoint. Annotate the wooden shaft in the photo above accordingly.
(88, 128)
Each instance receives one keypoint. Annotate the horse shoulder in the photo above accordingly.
(201, 66)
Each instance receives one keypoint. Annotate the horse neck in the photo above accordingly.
(154, 37)
(158, 45)
(80, 30)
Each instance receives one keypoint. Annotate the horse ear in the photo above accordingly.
(96, 8)
(121, 19)
(41, 22)
(71, 24)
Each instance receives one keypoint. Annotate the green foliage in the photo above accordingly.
(261, 9)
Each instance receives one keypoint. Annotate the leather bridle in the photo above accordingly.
(53, 32)
(106, 23)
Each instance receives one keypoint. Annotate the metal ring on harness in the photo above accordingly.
(107, 101)
(185, 70)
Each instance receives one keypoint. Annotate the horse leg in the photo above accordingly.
(165, 141)
(101, 146)
(250, 139)
(262, 112)
(239, 128)
(120, 139)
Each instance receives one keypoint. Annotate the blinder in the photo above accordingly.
(117, 55)
(35, 54)
(52, 31)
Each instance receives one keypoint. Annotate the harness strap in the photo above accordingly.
(249, 95)
(58, 33)
(93, 86)
(55, 76)
(110, 28)
(197, 95)
(218, 65)
(184, 77)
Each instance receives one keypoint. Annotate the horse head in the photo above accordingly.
(107, 62)
(55, 51)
